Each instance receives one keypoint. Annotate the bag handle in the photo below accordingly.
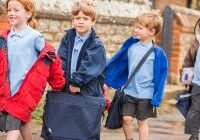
(137, 67)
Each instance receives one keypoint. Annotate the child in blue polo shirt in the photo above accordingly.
(192, 123)
(146, 89)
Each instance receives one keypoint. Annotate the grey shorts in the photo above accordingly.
(9, 122)
(140, 109)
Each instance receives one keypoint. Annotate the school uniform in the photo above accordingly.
(192, 123)
(26, 66)
(84, 60)
(146, 89)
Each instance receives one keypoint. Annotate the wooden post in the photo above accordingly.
(189, 3)
(167, 32)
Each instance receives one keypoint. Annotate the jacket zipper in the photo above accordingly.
(7, 68)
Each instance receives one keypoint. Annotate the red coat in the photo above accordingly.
(22, 104)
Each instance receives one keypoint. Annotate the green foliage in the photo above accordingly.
(37, 114)
(198, 4)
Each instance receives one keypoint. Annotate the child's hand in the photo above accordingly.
(74, 89)
(108, 103)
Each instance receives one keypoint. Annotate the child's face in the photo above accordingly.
(17, 15)
(82, 23)
(143, 33)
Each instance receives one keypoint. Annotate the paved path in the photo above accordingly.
(169, 125)
(165, 127)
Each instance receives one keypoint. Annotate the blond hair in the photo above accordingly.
(29, 6)
(151, 20)
(85, 6)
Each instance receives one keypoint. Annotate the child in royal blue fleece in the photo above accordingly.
(146, 88)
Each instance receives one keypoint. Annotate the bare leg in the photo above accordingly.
(143, 129)
(12, 135)
(128, 126)
(25, 131)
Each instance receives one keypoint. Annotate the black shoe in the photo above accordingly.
(194, 137)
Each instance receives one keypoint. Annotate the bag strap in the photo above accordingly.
(138, 67)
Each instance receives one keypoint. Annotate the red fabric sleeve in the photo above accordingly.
(56, 75)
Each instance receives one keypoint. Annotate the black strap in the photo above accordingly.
(137, 67)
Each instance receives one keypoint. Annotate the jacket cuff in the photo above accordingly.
(155, 103)
(74, 84)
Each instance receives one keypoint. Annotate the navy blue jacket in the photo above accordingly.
(90, 64)
(117, 69)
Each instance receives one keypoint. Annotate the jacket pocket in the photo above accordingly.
(32, 96)
(39, 76)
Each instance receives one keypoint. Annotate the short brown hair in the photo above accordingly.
(86, 6)
(151, 20)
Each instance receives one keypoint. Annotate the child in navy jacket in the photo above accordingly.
(83, 55)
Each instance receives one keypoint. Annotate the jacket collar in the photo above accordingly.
(72, 34)
(5, 34)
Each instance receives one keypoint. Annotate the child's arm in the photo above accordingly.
(190, 57)
(108, 102)
(92, 65)
(157, 97)
(56, 75)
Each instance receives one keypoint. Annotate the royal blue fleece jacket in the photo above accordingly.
(117, 69)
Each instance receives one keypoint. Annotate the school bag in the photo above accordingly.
(72, 116)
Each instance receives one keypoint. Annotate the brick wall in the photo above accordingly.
(114, 25)
(113, 33)
(114, 29)
(182, 38)
(160, 4)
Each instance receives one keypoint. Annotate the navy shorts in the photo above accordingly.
(140, 109)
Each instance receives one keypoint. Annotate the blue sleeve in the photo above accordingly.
(157, 97)
(92, 65)
(39, 42)
(117, 67)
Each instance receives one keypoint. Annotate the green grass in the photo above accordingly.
(37, 114)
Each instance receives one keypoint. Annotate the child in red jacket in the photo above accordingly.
(27, 63)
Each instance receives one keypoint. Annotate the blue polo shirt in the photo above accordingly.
(78, 43)
(23, 48)
(142, 85)
(196, 78)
